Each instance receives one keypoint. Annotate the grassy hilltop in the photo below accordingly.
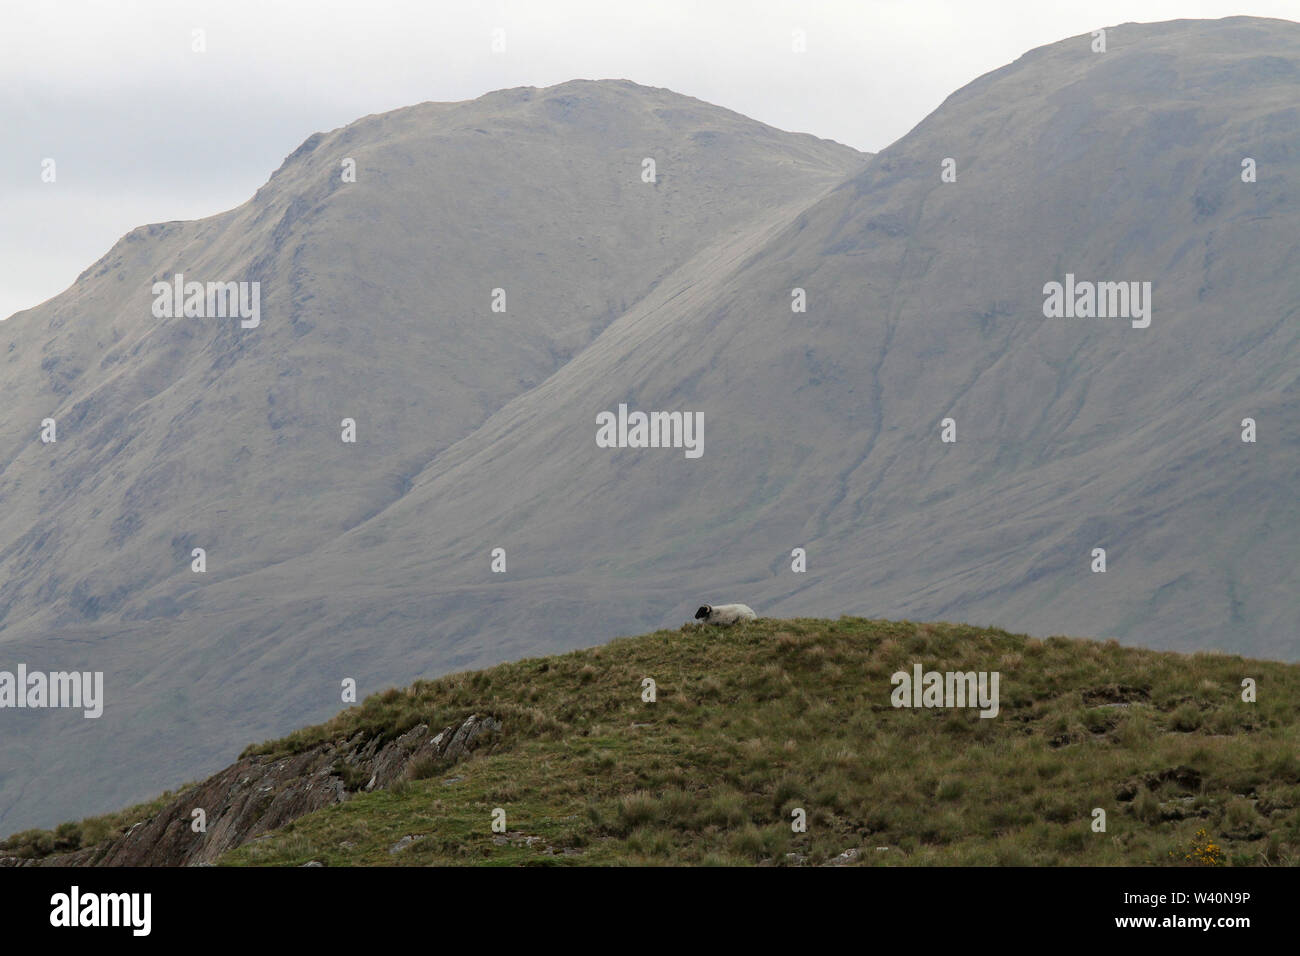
(755, 721)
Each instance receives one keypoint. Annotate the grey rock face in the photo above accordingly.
(256, 795)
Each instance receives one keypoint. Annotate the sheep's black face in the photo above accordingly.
(702, 613)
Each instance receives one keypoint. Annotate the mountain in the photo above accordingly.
(476, 430)
(748, 726)
(926, 302)
(375, 305)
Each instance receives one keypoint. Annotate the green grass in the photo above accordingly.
(751, 723)
(754, 722)
(83, 834)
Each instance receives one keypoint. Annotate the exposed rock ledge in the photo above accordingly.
(260, 794)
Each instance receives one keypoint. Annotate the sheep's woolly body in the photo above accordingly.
(724, 615)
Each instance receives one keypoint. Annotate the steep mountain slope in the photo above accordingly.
(926, 302)
(376, 306)
(748, 725)
(376, 301)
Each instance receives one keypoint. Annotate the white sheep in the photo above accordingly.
(724, 615)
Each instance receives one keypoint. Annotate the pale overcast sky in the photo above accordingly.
(143, 129)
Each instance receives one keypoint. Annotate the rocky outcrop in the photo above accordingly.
(260, 794)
